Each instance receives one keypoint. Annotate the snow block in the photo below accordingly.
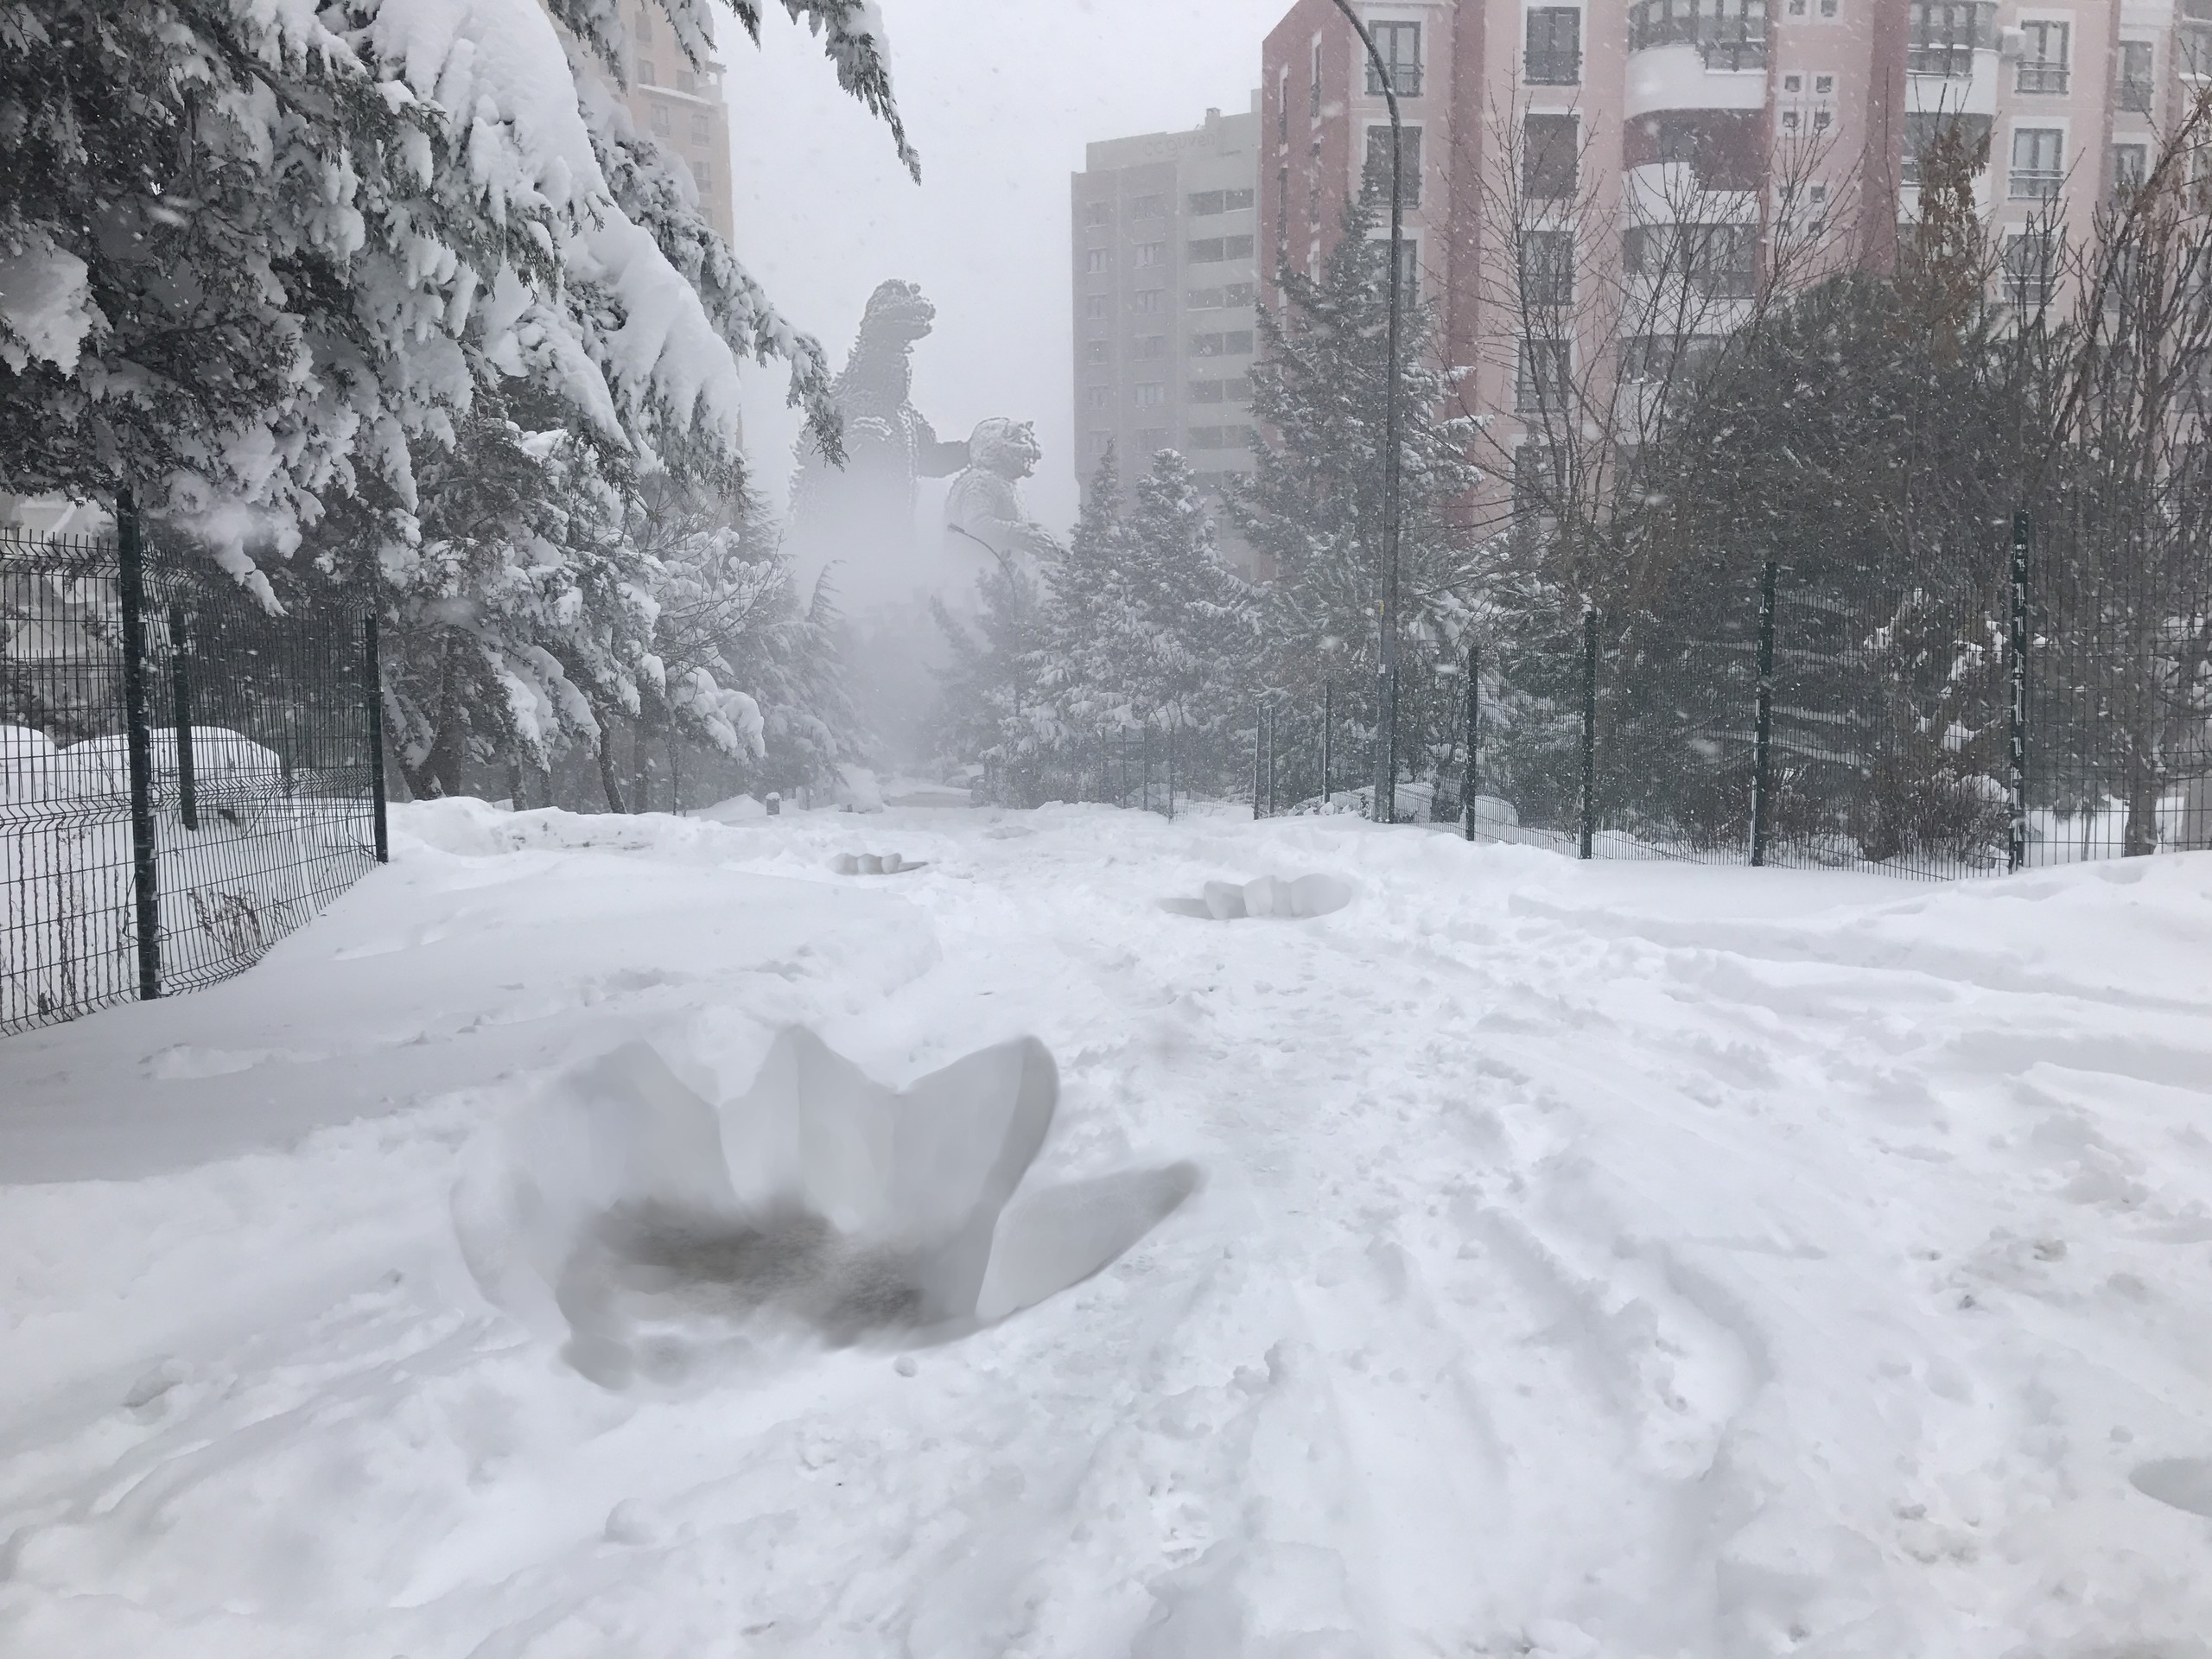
(1266, 896)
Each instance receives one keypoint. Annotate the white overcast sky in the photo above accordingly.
(1000, 97)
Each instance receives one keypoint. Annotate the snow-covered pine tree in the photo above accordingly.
(1189, 631)
(1313, 505)
(288, 273)
(998, 708)
(1086, 599)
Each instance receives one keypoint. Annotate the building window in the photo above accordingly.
(1719, 261)
(1147, 207)
(2043, 67)
(2135, 90)
(1151, 253)
(1283, 109)
(1923, 129)
(1204, 202)
(1148, 347)
(1151, 394)
(1553, 55)
(702, 174)
(1399, 46)
(1098, 351)
(687, 82)
(1147, 302)
(2193, 35)
(1098, 260)
(1378, 175)
(1662, 359)
(1235, 343)
(1217, 299)
(2031, 269)
(1536, 484)
(1282, 211)
(1098, 212)
(1094, 307)
(1551, 155)
(644, 25)
(702, 127)
(1313, 91)
(1547, 268)
(1829, 9)
(1213, 250)
(2131, 164)
(1098, 442)
(1942, 36)
(1729, 35)
(662, 124)
(648, 72)
(1205, 391)
(2038, 163)
(1408, 272)
(1153, 439)
(1098, 397)
(1220, 437)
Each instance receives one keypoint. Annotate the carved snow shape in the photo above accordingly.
(1266, 896)
(645, 1229)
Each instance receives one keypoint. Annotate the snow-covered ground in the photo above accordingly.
(1585, 1260)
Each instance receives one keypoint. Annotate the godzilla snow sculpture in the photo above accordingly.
(984, 508)
(861, 514)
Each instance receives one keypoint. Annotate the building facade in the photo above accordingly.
(682, 108)
(1164, 251)
(1560, 147)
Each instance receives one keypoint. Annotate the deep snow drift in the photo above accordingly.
(1520, 1257)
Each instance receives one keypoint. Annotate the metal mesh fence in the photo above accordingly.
(184, 778)
(1835, 715)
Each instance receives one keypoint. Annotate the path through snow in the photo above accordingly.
(1634, 1261)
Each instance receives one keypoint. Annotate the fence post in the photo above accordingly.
(1144, 798)
(1589, 728)
(1763, 730)
(138, 745)
(1271, 759)
(1474, 728)
(1171, 774)
(187, 785)
(373, 668)
(1259, 758)
(1328, 730)
(2017, 840)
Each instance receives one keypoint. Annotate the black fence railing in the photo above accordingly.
(2058, 711)
(185, 777)
(1147, 767)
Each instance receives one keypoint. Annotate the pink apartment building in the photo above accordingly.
(1769, 116)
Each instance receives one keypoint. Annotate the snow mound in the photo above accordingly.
(1289, 897)
(655, 1234)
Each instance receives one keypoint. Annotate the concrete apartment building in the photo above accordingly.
(682, 108)
(1593, 120)
(1164, 272)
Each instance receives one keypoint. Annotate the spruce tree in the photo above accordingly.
(1313, 505)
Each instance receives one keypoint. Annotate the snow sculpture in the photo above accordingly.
(864, 512)
(984, 508)
(649, 1230)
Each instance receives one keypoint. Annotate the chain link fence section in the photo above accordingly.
(2054, 709)
(185, 779)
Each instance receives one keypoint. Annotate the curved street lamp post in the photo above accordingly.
(1386, 750)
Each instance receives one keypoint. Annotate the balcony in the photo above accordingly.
(2136, 97)
(1405, 77)
(1730, 35)
(1943, 36)
(2042, 78)
(2035, 183)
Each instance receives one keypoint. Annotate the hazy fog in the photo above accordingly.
(1000, 96)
